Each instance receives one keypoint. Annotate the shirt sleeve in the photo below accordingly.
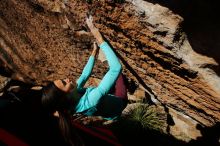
(85, 73)
(110, 77)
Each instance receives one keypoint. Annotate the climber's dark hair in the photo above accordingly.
(53, 99)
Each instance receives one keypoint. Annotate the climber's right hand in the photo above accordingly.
(95, 32)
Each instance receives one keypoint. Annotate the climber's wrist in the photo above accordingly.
(99, 41)
(97, 36)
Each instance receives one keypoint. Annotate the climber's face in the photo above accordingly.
(65, 85)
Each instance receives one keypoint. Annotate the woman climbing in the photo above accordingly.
(62, 97)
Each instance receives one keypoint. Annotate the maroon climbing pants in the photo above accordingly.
(120, 88)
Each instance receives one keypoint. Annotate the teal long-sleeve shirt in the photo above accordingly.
(92, 95)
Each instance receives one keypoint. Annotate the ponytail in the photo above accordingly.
(67, 131)
(53, 99)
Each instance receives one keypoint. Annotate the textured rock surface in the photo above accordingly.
(44, 40)
(3, 83)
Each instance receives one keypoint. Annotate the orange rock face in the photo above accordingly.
(43, 41)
